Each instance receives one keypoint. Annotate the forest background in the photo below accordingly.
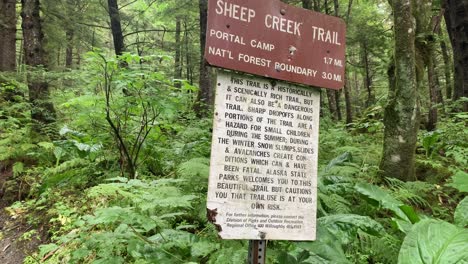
(105, 133)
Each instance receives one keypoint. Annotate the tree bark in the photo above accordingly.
(447, 67)
(177, 58)
(331, 98)
(368, 77)
(42, 112)
(435, 94)
(307, 4)
(338, 105)
(349, 110)
(116, 27)
(188, 62)
(205, 97)
(317, 5)
(347, 87)
(336, 5)
(7, 35)
(456, 13)
(348, 13)
(69, 50)
(432, 81)
(336, 8)
(401, 118)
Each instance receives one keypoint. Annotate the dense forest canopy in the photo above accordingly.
(106, 122)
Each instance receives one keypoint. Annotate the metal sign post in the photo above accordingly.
(257, 252)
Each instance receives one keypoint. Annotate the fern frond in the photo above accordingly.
(334, 203)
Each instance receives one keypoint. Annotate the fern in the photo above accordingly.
(415, 193)
(334, 203)
(381, 248)
(74, 172)
(195, 169)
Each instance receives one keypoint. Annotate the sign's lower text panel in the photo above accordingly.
(263, 173)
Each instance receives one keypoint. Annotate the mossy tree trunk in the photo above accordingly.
(42, 112)
(7, 35)
(401, 118)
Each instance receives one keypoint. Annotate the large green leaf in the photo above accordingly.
(435, 242)
(460, 181)
(461, 213)
(387, 201)
(326, 249)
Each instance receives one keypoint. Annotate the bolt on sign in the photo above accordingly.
(263, 173)
(272, 39)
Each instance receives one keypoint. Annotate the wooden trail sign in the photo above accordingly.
(263, 173)
(272, 39)
(263, 182)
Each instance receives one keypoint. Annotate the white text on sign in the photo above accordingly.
(280, 24)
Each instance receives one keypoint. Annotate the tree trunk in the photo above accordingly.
(177, 60)
(347, 87)
(447, 67)
(368, 78)
(336, 6)
(349, 110)
(206, 92)
(332, 104)
(338, 105)
(69, 51)
(42, 112)
(307, 4)
(401, 117)
(435, 94)
(188, 62)
(432, 83)
(7, 35)
(317, 5)
(456, 13)
(116, 27)
(348, 13)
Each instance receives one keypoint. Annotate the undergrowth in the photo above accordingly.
(99, 211)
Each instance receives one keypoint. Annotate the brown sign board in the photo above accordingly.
(272, 39)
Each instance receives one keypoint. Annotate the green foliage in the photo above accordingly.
(461, 213)
(369, 122)
(230, 252)
(387, 201)
(416, 193)
(125, 179)
(327, 249)
(14, 121)
(130, 222)
(433, 241)
(460, 181)
(429, 142)
(347, 226)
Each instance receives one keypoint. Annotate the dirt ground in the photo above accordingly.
(12, 249)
